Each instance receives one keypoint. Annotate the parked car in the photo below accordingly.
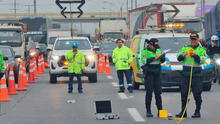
(107, 48)
(11, 58)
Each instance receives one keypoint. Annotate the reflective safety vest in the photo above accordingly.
(76, 63)
(189, 61)
(146, 54)
(122, 57)
(2, 67)
(151, 66)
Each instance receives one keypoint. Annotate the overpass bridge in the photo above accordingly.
(92, 17)
(58, 15)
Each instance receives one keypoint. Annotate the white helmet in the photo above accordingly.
(214, 38)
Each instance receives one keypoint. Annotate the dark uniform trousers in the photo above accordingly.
(153, 84)
(197, 88)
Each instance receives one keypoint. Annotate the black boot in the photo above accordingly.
(183, 108)
(196, 115)
(197, 111)
(149, 114)
(181, 115)
(121, 91)
(80, 91)
(130, 91)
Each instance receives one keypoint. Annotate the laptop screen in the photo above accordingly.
(103, 106)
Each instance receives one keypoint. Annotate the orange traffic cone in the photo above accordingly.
(21, 86)
(11, 83)
(107, 67)
(25, 74)
(100, 66)
(103, 62)
(3, 90)
(31, 78)
(35, 68)
(43, 63)
(39, 69)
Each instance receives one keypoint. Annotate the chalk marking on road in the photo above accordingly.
(136, 115)
(122, 96)
(131, 97)
(109, 77)
(114, 84)
(71, 101)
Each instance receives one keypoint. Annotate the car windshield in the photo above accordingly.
(12, 38)
(6, 52)
(107, 46)
(112, 35)
(40, 38)
(67, 44)
(52, 40)
(173, 43)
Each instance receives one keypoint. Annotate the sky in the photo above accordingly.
(45, 6)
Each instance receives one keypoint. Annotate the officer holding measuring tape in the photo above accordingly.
(192, 57)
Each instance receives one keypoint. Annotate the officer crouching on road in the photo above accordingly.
(192, 55)
(153, 57)
(122, 57)
(76, 65)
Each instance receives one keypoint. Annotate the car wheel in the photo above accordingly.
(136, 85)
(53, 79)
(92, 78)
(207, 87)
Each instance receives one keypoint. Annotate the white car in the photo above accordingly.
(51, 42)
(58, 64)
(171, 69)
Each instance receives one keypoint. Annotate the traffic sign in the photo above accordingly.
(63, 12)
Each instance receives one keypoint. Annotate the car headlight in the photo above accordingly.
(32, 54)
(56, 58)
(217, 61)
(18, 59)
(65, 63)
(90, 57)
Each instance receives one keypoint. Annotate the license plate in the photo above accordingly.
(176, 67)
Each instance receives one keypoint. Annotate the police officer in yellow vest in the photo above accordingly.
(152, 58)
(192, 55)
(122, 57)
(76, 65)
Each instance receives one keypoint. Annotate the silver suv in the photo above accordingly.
(58, 64)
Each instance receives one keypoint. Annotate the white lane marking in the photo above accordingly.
(109, 77)
(114, 84)
(136, 115)
(122, 96)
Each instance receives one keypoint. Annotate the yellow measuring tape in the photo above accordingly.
(179, 120)
(164, 113)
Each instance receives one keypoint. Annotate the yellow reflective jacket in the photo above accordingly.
(122, 57)
(76, 63)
